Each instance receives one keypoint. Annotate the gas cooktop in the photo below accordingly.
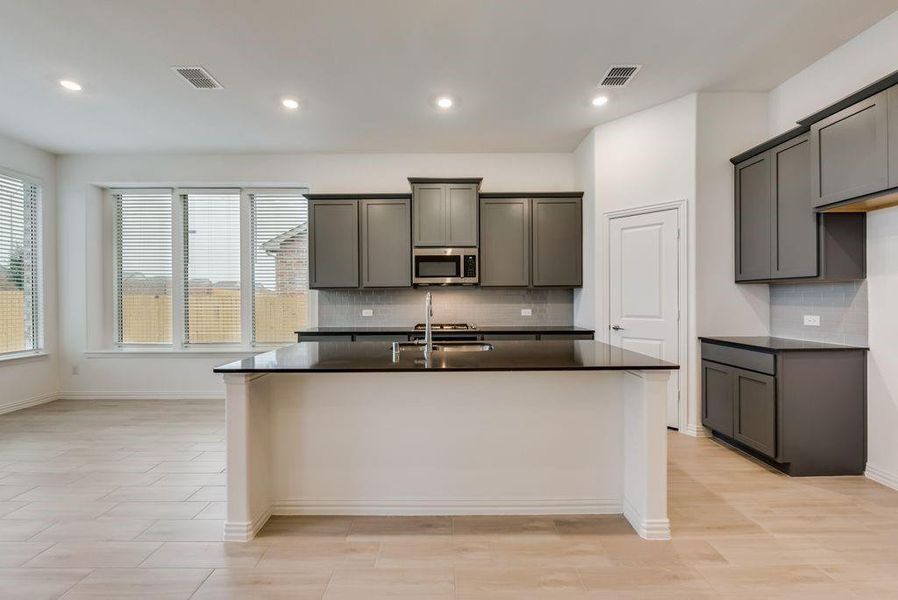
(446, 327)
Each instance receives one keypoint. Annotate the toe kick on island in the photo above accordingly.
(444, 441)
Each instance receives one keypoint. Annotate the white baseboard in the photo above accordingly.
(648, 529)
(446, 507)
(245, 531)
(698, 431)
(140, 395)
(883, 476)
(8, 407)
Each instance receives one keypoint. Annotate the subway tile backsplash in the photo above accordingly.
(842, 308)
(478, 306)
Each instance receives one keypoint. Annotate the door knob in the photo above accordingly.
(617, 328)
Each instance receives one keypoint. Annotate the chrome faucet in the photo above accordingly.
(428, 326)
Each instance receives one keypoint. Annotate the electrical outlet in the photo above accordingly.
(812, 320)
(74, 369)
(526, 312)
(367, 312)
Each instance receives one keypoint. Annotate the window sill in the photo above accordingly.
(210, 352)
(22, 356)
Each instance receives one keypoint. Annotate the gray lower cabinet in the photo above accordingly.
(333, 244)
(803, 411)
(385, 243)
(504, 337)
(444, 214)
(755, 410)
(850, 152)
(557, 242)
(753, 219)
(566, 336)
(717, 397)
(505, 242)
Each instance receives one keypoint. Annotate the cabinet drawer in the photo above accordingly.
(752, 360)
(565, 336)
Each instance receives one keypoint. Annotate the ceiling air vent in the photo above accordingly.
(618, 76)
(198, 77)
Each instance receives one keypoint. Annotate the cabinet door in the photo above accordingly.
(794, 221)
(893, 135)
(717, 397)
(505, 242)
(333, 244)
(755, 411)
(556, 229)
(850, 153)
(461, 214)
(386, 243)
(429, 214)
(753, 218)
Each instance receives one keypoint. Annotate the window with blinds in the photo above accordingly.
(20, 265)
(280, 273)
(211, 266)
(143, 269)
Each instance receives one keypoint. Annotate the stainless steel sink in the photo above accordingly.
(462, 347)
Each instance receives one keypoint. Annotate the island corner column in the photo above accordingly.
(247, 452)
(645, 453)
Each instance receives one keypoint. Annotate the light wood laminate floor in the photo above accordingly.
(106, 499)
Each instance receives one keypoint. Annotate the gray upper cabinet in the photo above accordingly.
(753, 219)
(461, 214)
(557, 246)
(333, 244)
(444, 213)
(429, 210)
(505, 242)
(893, 136)
(794, 222)
(386, 243)
(850, 152)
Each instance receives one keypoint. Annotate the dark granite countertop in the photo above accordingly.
(403, 329)
(775, 344)
(348, 357)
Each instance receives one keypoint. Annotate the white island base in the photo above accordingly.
(454, 443)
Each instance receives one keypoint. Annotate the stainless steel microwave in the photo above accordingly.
(446, 266)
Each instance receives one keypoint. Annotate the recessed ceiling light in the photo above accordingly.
(600, 101)
(70, 85)
(290, 103)
(445, 102)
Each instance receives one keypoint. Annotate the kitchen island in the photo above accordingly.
(573, 427)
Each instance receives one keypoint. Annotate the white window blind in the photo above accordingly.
(20, 265)
(143, 236)
(211, 266)
(280, 220)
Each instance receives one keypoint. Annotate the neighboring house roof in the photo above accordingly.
(274, 244)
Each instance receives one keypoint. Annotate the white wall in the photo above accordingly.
(727, 124)
(30, 380)
(677, 151)
(84, 264)
(860, 61)
(642, 159)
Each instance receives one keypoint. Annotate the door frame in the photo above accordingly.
(681, 207)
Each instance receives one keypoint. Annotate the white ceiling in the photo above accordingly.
(366, 71)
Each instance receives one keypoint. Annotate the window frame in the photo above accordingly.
(116, 258)
(38, 320)
(179, 342)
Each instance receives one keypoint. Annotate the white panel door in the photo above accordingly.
(644, 290)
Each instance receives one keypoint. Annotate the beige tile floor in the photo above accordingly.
(103, 499)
